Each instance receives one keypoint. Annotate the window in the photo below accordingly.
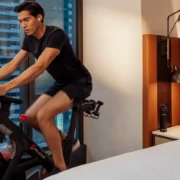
(10, 35)
(57, 13)
(61, 13)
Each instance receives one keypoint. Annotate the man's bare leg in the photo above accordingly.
(32, 111)
(58, 104)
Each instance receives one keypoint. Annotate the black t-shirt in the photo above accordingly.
(66, 67)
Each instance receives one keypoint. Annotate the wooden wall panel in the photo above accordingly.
(156, 88)
(149, 88)
(175, 87)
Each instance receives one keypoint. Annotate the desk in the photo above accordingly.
(172, 134)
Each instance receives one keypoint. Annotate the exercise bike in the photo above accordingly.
(15, 168)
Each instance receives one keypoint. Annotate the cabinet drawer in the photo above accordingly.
(161, 140)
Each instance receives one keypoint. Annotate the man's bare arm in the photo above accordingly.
(10, 67)
(34, 71)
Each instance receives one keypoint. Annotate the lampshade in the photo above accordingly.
(175, 75)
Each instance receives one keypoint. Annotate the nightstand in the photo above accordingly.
(173, 133)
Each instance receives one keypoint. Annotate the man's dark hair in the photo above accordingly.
(33, 7)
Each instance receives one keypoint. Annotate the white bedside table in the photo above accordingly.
(173, 133)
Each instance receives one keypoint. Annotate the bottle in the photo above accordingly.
(7, 149)
(163, 117)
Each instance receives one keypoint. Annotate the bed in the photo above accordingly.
(161, 162)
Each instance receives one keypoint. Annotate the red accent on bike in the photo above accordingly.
(32, 147)
(6, 155)
(23, 117)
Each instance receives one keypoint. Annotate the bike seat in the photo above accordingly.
(7, 99)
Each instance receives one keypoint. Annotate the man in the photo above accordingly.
(52, 49)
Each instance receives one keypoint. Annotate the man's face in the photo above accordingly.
(28, 22)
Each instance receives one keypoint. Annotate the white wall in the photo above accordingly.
(112, 39)
(154, 16)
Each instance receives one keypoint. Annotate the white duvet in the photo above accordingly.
(160, 162)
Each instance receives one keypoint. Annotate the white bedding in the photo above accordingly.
(160, 162)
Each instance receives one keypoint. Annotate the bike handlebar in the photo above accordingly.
(10, 100)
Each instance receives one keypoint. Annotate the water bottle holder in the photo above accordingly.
(6, 155)
(8, 150)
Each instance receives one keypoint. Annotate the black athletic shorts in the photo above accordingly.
(78, 90)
